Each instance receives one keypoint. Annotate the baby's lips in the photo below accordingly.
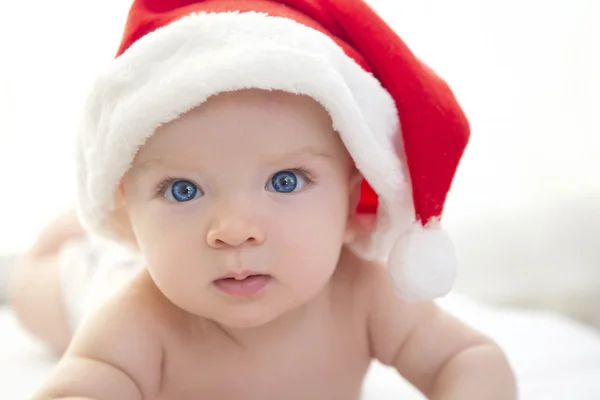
(249, 286)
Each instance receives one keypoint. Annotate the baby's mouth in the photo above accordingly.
(243, 284)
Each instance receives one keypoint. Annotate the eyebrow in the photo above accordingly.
(308, 150)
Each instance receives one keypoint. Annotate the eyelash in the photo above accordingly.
(162, 186)
(310, 180)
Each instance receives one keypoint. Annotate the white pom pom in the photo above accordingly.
(423, 264)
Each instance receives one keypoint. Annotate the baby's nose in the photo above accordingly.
(234, 233)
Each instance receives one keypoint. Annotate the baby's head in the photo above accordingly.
(229, 136)
(251, 182)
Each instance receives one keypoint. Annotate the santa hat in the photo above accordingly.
(398, 120)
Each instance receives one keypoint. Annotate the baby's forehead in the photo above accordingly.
(268, 104)
(255, 120)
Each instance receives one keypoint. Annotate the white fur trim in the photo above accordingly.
(176, 68)
(423, 263)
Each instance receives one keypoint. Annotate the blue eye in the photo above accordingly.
(181, 191)
(287, 182)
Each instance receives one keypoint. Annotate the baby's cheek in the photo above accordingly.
(312, 233)
(178, 278)
(308, 255)
(169, 258)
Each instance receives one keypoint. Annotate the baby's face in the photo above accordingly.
(241, 206)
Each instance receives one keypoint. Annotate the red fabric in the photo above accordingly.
(435, 130)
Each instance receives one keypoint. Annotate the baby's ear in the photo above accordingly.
(357, 225)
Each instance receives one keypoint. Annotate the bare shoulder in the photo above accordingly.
(367, 288)
(418, 338)
(124, 335)
(400, 329)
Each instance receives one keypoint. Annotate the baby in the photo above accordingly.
(278, 168)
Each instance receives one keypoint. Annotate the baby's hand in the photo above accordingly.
(116, 355)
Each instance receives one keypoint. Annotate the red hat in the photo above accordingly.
(399, 121)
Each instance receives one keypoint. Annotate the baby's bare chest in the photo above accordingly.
(323, 362)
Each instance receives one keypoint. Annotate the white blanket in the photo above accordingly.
(554, 358)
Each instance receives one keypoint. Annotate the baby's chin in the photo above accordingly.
(247, 316)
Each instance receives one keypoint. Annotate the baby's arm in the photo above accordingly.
(116, 355)
(439, 355)
(87, 378)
